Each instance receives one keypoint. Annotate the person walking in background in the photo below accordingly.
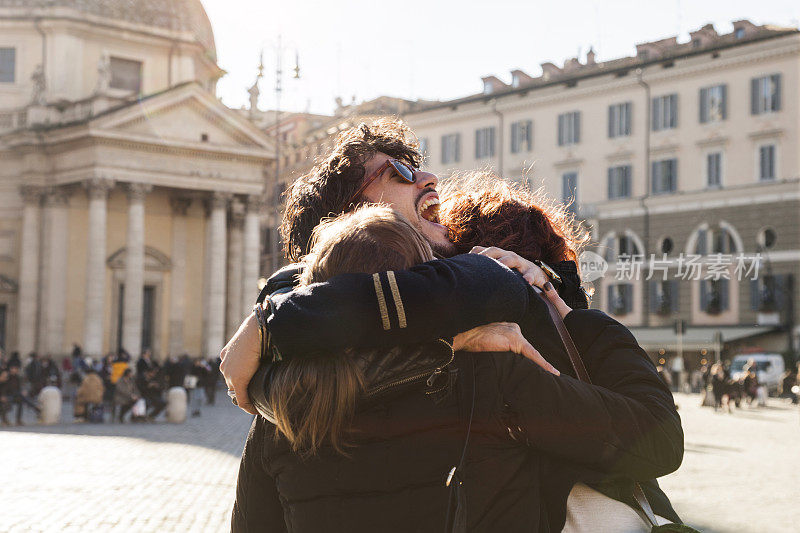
(15, 393)
(125, 394)
(5, 402)
(51, 375)
(89, 395)
(174, 372)
(719, 386)
(195, 382)
(212, 379)
(144, 365)
(152, 390)
(34, 374)
(14, 360)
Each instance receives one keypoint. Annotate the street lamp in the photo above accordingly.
(276, 202)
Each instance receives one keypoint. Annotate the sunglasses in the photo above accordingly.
(403, 170)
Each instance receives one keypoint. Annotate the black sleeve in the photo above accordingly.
(436, 299)
(570, 289)
(624, 423)
(257, 507)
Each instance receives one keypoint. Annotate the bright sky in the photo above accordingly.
(440, 49)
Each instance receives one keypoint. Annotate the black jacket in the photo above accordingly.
(626, 428)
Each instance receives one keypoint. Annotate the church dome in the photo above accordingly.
(181, 15)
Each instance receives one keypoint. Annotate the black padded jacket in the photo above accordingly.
(624, 427)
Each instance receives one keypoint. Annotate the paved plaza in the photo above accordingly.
(740, 473)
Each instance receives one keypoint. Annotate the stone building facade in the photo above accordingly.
(129, 195)
(686, 148)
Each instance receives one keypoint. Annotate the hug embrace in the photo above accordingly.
(430, 364)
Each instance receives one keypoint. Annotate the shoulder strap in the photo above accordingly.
(583, 375)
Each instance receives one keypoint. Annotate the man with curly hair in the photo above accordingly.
(369, 163)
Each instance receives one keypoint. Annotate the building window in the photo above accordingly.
(664, 176)
(714, 169)
(765, 94)
(664, 296)
(619, 120)
(521, 136)
(622, 247)
(619, 182)
(8, 63)
(569, 128)
(714, 296)
(768, 293)
(715, 241)
(713, 103)
(766, 162)
(620, 298)
(126, 74)
(666, 245)
(451, 148)
(569, 190)
(484, 143)
(739, 33)
(423, 148)
(665, 112)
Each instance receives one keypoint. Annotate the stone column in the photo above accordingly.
(177, 298)
(133, 293)
(29, 271)
(251, 254)
(235, 243)
(94, 317)
(55, 240)
(216, 253)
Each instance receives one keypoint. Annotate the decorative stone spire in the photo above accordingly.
(254, 91)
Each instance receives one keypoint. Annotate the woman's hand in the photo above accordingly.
(551, 294)
(240, 359)
(500, 337)
(531, 272)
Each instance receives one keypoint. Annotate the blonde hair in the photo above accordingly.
(314, 399)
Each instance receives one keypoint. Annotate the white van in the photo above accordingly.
(770, 367)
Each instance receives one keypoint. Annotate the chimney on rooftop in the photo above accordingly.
(571, 64)
(743, 28)
(590, 56)
(519, 78)
(492, 84)
(550, 70)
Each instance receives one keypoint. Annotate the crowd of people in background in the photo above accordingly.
(109, 389)
(724, 389)
(728, 391)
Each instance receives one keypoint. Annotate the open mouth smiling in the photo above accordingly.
(429, 209)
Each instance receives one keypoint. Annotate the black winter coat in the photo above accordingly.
(409, 440)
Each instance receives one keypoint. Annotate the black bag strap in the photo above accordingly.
(583, 375)
(457, 502)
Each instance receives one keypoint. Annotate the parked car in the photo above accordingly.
(769, 366)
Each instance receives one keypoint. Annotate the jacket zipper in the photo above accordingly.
(438, 370)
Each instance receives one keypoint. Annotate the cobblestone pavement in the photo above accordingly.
(740, 472)
(123, 477)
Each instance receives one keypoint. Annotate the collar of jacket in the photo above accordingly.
(385, 372)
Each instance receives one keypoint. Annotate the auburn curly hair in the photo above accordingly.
(481, 209)
(326, 190)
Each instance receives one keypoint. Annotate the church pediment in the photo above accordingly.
(153, 260)
(185, 115)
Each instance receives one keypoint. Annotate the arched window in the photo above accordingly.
(720, 239)
(621, 246)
